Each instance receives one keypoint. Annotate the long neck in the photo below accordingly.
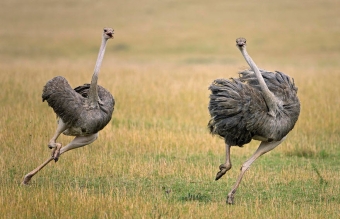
(93, 92)
(269, 97)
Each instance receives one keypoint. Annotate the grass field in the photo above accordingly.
(156, 158)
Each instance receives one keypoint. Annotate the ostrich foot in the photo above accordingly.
(230, 199)
(56, 152)
(223, 169)
(29, 176)
(26, 180)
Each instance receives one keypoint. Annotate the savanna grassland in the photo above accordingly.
(156, 158)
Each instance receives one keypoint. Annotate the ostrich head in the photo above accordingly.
(108, 33)
(240, 42)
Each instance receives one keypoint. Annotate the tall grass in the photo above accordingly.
(156, 158)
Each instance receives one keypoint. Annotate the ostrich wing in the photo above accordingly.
(281, 85)
(283, 88)
(73, 108)
(65, 101)
(239, 111)
(106, 101)
(228, 107)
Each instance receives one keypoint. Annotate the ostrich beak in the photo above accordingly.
(241, 42)
(110, 35)
(108, 32)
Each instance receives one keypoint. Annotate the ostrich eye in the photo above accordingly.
(105, 30)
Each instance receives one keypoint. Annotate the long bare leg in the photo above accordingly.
(225, 166)
(60, 128)
(262, 149)
(77, 142)
(28, 176)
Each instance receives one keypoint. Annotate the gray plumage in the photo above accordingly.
(73, 107)
(258, 105)
(239, 112)
(82, 112)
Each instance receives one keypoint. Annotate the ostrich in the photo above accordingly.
(259, 105)
(82, 112)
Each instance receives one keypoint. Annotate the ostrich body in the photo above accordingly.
(259, 105)
(82, 112)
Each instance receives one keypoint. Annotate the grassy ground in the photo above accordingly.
(156, 158)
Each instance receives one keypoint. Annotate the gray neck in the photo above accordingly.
(93, 92)
(269, 97)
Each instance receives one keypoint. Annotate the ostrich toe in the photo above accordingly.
(56, 152)
(27, 178)
(223, 169)
(230, 199)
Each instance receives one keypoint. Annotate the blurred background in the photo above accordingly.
(288, 32)
(159, 65)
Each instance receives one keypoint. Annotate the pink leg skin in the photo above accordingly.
(262, 149)
(226, 166)
(60, 128)
(77, 142)
(56, 152)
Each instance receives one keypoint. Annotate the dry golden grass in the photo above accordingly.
(156, 158)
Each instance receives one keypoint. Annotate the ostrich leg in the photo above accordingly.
(29, 176)
(262, 149)
(77, 142)
(225, 166)
(60, 128)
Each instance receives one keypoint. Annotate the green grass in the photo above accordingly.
(156, 159)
